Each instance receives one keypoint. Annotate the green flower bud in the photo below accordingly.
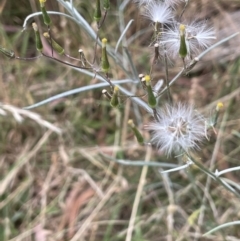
(7, 52)
(97, 13)
(219, 106)
(216, 114)
(183, 47)
(105, 92)
(151, 98)
(55, 45)
(106, 4)
(156, 32)
(42, 3)
(82, 57)
(136, 132)
(46, 17)
(114, 100)
(38, 40)
(104, 62)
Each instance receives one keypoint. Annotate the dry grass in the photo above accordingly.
(69, 186)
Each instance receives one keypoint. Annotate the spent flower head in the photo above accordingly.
(158, 12)
(198, 36)
(179, 127)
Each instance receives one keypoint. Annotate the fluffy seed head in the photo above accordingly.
(198, 36)
(178, 127)
(158, 12)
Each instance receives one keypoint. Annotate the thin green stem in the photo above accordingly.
(212, 175)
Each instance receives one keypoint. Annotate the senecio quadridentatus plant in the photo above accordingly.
(177, 128)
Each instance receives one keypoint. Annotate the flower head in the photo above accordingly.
(42, 2)
(158, 12)
(198, 36)
(179, 127)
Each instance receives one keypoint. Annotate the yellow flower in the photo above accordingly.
(42, 3)
(219, 106)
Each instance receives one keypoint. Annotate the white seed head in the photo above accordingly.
(158, 12)
(198, 36)
(179, 127)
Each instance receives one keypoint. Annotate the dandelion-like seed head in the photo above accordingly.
(158, 12)
(198, 36)
(179, 127)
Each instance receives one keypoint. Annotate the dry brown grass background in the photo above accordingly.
(67, 186)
